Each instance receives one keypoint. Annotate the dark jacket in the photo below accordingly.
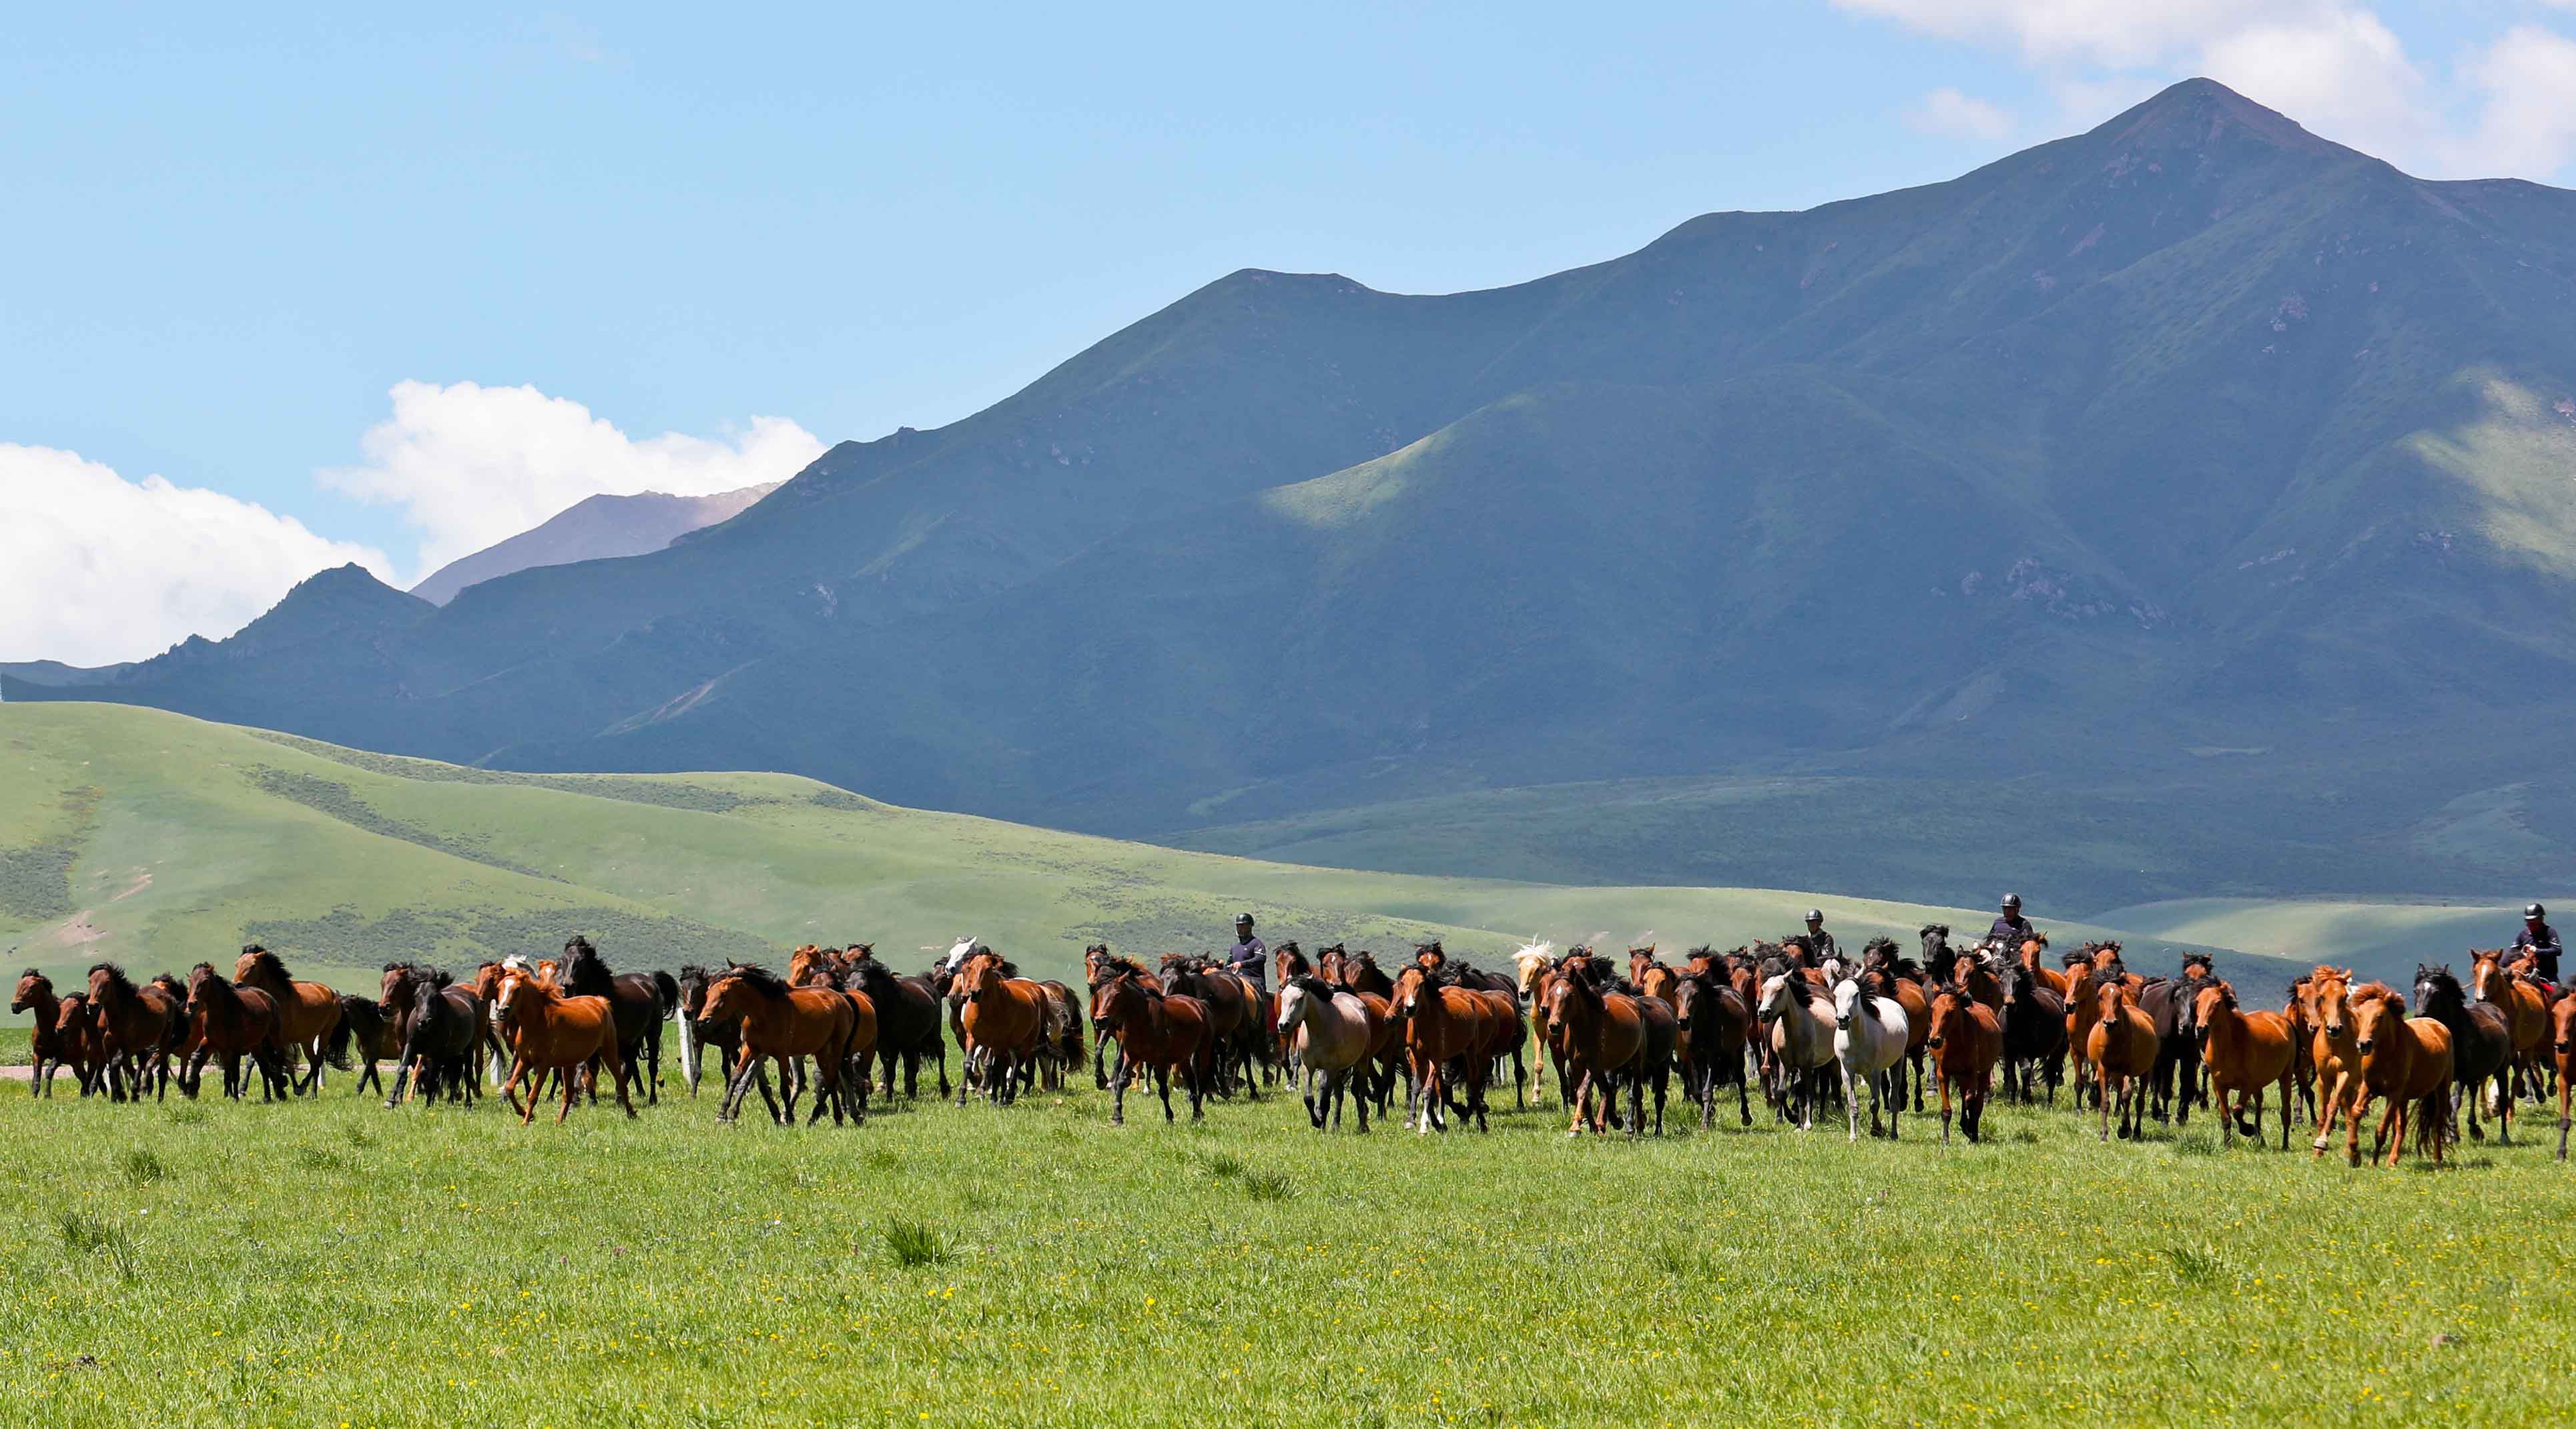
(1250, 958)
(2010, 932)
(2544, 949)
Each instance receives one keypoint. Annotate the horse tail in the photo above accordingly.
(2433, 1120)
(342, 1032)
(669, 987)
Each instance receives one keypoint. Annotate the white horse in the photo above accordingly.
(1869, 1039)
(1333, 1031)
(1802, 1040)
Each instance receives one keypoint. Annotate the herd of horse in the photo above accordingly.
(1810, 1029)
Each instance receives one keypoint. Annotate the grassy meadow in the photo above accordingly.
(160, 840)
(331, 1262)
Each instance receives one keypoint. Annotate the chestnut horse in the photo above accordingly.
(2523, 1006)
(1440, 1021)
(49, 1047)
(1160, 1035)
(76, 1032)
(137, 1026)
(306, 1011)
(781, 1024)
(2327, 1007)
(1597, 1036)
(1000, 1019)
(2245, 1052)
(1967, 1041)
(231, 1023)
(2407, 1060)
(2562, 1048)
(548, 1031)
(2122, 1049)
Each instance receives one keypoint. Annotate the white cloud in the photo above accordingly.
(2507, 107)
(2527, 121)
(95, 568)
(471, 465)
(1947, 111)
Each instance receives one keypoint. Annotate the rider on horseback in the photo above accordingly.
(1822, 941)
(2011, 930)
(1248, 955)
(2541, 941)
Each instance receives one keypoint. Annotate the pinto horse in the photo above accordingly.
(306, 1011)
(549, 1031)
(2245, 1052)
(1160, 1035)
(781, 1023)
(139, 1026)
(49, 1047)
(1441, 1022)
(2481, 1045)
(2407, 1060)
(1967, 1041)
(1000, 1020)
(1330, 1031)
(231, 1023)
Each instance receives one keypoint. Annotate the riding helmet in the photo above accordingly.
(2535, 911)
(1815, 915)
(2012, 900)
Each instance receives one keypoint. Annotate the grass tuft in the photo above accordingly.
(1266, 1186)
(1224, 1167)
(187, 1114)
(2195, 1265)
(85, 1234)
(2196, 1143)
(912, 1245)
(142, 1168)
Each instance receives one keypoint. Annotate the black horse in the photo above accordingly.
(2034, 1022)
(908, 1021)
(697, 1036)
(637, 1001)
(441, 1028)
(2481, 1045)
(2173, 1005)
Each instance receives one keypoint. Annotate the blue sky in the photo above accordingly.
(232, 236)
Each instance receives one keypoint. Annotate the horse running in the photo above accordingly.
(1869, 1043)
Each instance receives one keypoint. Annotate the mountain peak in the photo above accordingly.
(341, 601)
(2198, 113)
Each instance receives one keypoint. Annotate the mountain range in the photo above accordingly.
(594, 528)
(2178, 509)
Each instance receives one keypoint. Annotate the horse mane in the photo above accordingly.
(1934, 930)
(266, 961)
(116, 977)
(1315, 987)
(1801, 942)
(1881, 944)
(760, 980)
(31, 972)
(578, 946)
(2376, 991)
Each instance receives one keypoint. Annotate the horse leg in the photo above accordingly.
(1851, 1106)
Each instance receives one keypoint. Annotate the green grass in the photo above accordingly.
(190, 838)
(331, 1262)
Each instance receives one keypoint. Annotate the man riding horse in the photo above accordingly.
(2011, 930)
(2541, 941)
(1246, 957)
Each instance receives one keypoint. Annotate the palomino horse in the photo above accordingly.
(1800, 1017)
(1869, 1043)
(1597, 1037)
(1531, 964)
(2523, 1006)
(1000, 1020)
(306, 1011)
(2245, 1052)
(548, 1031)
(1330, 1031)
(138, 1026)
(2407, 1060)
(1967, 1041)
(2481, 1045)
(230, 1023)
(1441, 1022)
(49, 1048)
(2122, 1049)
(1160, 1035)
(781, 1024)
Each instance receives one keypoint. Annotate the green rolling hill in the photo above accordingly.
(159, 839)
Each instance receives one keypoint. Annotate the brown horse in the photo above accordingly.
(2525, 1010)
(2122, 1049)
(1234, 1017)
(137, 1026)
(2327, 1007)
(782, 1024)
(49, 1046)
(231, 1023)
(84, 1045)
(1160, 1035)
(2245, 1052)
(548, 1031)
(2407, 1060)
(999, 1022)
(306, 1011)
(2032, 950)
(1967, 1041)
(1595, 1035)
(1441, 1022)
(2562, 1049)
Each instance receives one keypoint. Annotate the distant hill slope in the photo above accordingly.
(591, 529)
(162, 840)
(2193, 477)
